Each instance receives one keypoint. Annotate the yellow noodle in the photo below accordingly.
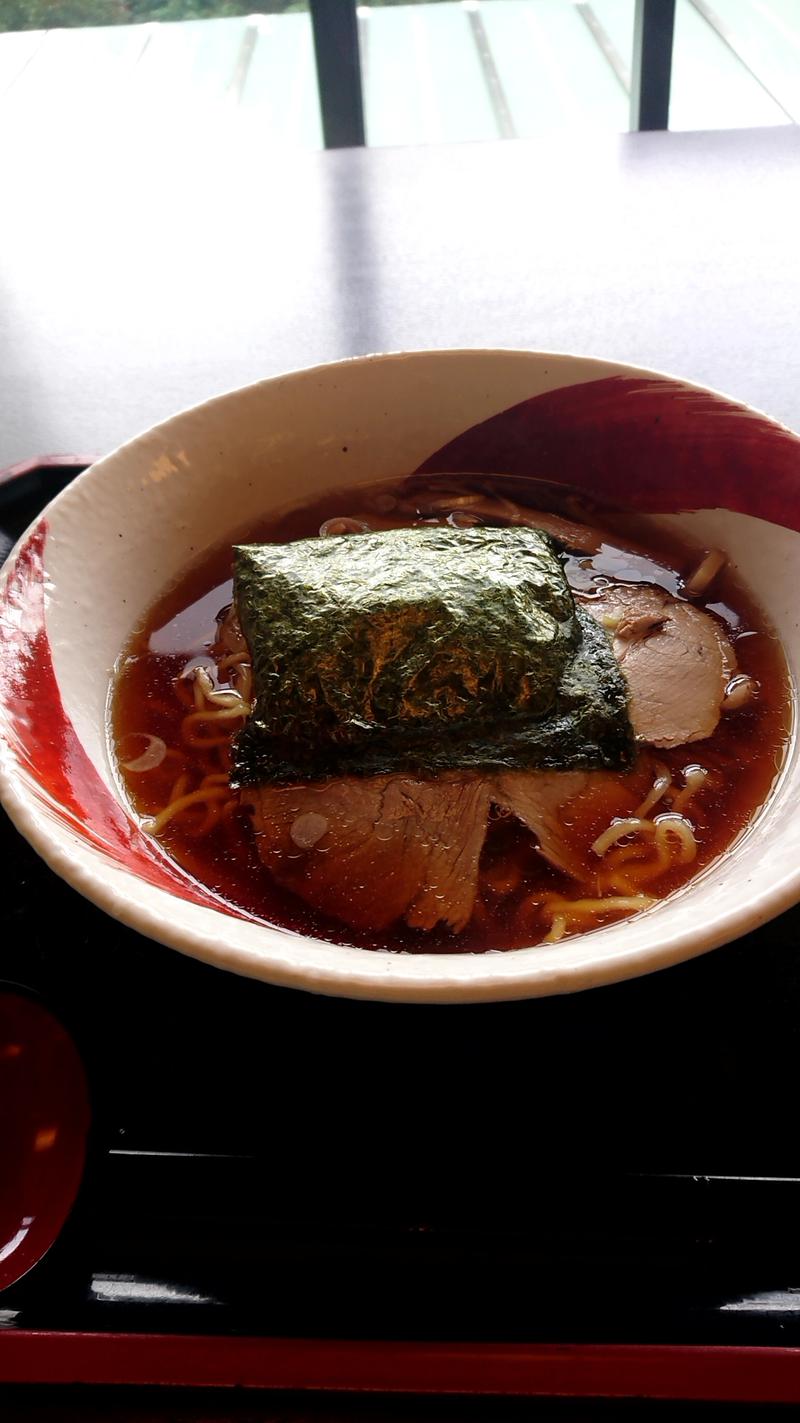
(218, 714)
(180, 787)
(674, 843)
(213, 696)
(612, 880)
(681, 830)
(618, 829)
(621, 854)
(644, 873)
(705, 573)
(227, 701)
(207, 705)
(203, 718)
(695, 778)
(184, 691)
(609, 904)
(659, 788)
(213, 814)
(207, 743)
(618, 884)
(155, 824)
(557, 930)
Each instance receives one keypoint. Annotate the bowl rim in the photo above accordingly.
(492, 976)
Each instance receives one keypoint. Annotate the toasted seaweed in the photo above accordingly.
(423, 649)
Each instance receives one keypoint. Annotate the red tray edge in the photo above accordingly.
(716, 1373)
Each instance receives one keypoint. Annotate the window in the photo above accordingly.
(420, 71)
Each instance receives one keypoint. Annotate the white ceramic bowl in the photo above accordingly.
(91, 566)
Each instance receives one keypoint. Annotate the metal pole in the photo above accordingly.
(341, 100)
(651, 72)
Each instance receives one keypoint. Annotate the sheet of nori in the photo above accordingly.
(422, 649)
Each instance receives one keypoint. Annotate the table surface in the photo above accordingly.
(140, 276)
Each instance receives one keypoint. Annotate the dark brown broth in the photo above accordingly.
(743, 755)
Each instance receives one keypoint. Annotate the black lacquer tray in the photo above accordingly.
(597, 1193)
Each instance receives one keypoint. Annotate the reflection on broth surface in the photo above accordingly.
(404, 783)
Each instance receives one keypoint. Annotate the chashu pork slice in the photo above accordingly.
(538, 798)
(374, 849)
(371, 850)
(676, 659)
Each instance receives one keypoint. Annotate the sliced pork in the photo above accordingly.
(370, 850)
(676, 659)
(375, 849)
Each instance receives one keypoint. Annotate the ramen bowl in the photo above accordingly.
(87, 571)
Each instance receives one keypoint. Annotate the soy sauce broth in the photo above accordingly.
(743, 756)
